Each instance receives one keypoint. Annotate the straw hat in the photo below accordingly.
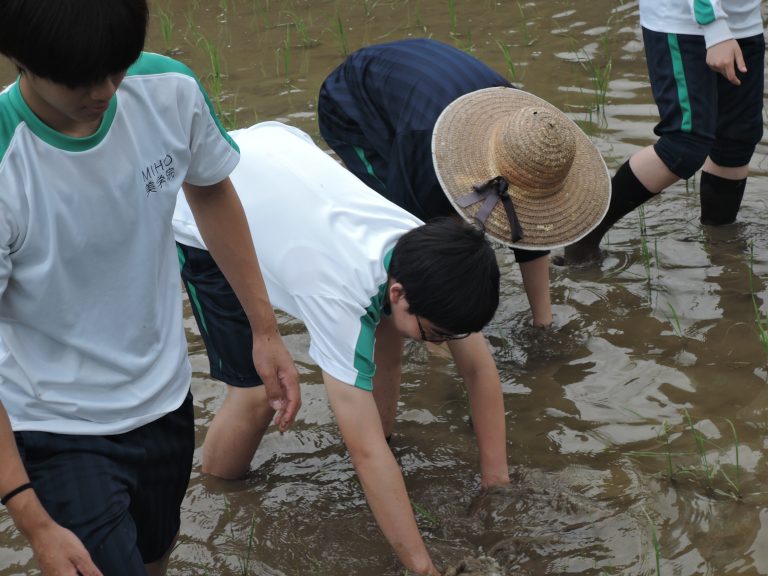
(522, 167)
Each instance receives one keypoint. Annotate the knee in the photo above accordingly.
(684, 154)
(735, 152)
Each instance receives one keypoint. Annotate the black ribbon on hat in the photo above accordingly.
(490, 193)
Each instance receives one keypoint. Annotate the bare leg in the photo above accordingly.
(386, 381)
(737, 173)
(633, 184)
(236, 432)
(535, 275)
(651, 170)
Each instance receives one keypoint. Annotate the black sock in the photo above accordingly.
(720, 199)
(627, 193)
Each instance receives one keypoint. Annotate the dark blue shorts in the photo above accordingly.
(220, 318)
(120, 494)
(701, 113)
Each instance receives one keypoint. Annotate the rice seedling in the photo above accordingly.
(214, 76)
(465, 42)
(245, 561)
(734, 482)
(508, 61)
(706, 470)
(698, 439)
(368, 6)
(166, 28)
(761, 318)
(452, 16)
(674, 320)
(418, 22)
(523, 25)
(655, 541)
(340, 33)
(668, 450)
(425, 513)
(302, 30)
(261, 11)
(285, 50)
(645, 251)
(600, 75)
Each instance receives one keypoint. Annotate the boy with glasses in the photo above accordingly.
(363, 274)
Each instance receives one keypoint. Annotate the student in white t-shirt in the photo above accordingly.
(96, 423)
(362, 274)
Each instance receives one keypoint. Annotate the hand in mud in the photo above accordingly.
(480, 566)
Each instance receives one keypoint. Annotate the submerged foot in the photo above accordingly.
(581, 253)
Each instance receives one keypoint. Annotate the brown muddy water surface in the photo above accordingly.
(655, 363)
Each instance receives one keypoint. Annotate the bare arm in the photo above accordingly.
(222, 224)
(379, 474)
(56, 549)
(386, 381)
(535, 275)
(476, 365)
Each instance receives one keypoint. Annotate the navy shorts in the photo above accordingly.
(220, 318)
(701, 113)
(120, 494)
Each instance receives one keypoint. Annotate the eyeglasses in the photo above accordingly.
(439, 338)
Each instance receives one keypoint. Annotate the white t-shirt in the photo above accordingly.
(91, 327)
(716, 20)
(322, 238)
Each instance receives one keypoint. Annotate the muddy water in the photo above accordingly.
(652, 351)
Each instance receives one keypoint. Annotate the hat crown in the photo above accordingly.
(534, 150)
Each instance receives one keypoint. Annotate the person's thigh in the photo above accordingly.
(163, 478)
(740, 108)
(685, 91)
(86, 483)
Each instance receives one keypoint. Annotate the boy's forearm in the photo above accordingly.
(388, 499)
(488, 419)
(477, 367)
(379, 474)
(25, 508)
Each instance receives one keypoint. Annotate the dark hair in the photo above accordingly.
(449, 274)
(73, 42)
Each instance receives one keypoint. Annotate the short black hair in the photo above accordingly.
(73, 42)
(449, 274)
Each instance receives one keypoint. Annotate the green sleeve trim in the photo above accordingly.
(368, 166)
(149, 63)
(703, 12)
(366, 339)
(683, 97)
(9, 121)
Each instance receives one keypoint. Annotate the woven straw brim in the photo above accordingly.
(462, 153)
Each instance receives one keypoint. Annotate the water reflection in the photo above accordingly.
(597, 407)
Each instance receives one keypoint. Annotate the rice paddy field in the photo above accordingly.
(637, 425)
